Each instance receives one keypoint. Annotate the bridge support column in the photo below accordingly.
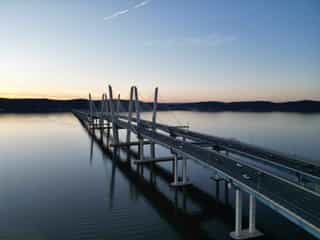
(252, 214)
(141, 149)
(175, 179)
(217, 179)
(184, 168)
(176, 182)
(251, 232)
(184, 171)
(238, 227)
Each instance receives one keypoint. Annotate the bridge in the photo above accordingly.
(285, 183)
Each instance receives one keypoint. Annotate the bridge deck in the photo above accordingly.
(290, 162)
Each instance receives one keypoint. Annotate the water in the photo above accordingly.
(56, 183)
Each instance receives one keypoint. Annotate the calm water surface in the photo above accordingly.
(56, 183)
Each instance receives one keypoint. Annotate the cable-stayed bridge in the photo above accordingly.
(286, 184)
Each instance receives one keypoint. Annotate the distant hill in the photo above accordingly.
(253, 106)
(49, 105)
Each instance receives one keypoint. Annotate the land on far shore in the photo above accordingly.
(50, 105)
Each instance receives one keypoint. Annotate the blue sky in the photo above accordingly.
(193, 50)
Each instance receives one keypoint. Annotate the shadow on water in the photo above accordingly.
(187, 223)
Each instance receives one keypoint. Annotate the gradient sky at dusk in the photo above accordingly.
(193, 50)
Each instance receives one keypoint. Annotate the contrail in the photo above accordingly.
(141, 4)
(116, 14)
(123, 12)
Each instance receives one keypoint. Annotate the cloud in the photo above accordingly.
(212, 40)
(116, 14)
(142, 4)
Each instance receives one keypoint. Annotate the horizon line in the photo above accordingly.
(164, 102)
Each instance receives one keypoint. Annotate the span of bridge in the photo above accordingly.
(286, 184)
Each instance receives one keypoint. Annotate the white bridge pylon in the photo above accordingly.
(110, 113)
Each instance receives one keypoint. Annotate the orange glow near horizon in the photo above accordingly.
(164, 97)
(39, 96)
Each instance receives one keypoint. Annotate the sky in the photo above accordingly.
(193, 50)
